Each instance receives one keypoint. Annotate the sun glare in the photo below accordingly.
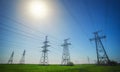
(38, 9)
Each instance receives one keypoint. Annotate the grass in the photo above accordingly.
(57, 68)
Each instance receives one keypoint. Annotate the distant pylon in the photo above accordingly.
(10, 61)
(88, 60)
(22, 60)
(66, 54)
(44, 58)
(102, 57)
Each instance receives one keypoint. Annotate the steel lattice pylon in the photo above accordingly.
(22, 60)
(102, 57)
(10, 61)
(44, 58)
(66, 54)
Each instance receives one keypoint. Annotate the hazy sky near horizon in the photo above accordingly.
(74, 19)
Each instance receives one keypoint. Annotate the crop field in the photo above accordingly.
(57, 68)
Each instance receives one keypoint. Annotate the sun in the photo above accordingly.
(38, 9)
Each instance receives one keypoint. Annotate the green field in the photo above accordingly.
(57, 68)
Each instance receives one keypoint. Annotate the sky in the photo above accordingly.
(75, 19)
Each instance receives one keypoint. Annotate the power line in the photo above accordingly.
(30, 33)
(27, 36)
(23, 32)
(16, 43)
(19, 23)
(16, 29)
(22, 24)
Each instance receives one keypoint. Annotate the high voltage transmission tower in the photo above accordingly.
(66, 54)
(102, 57)
(44, 58)
(22, 60)
(10, 61)
(88, 60)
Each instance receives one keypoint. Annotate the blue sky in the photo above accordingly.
(74, 19)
